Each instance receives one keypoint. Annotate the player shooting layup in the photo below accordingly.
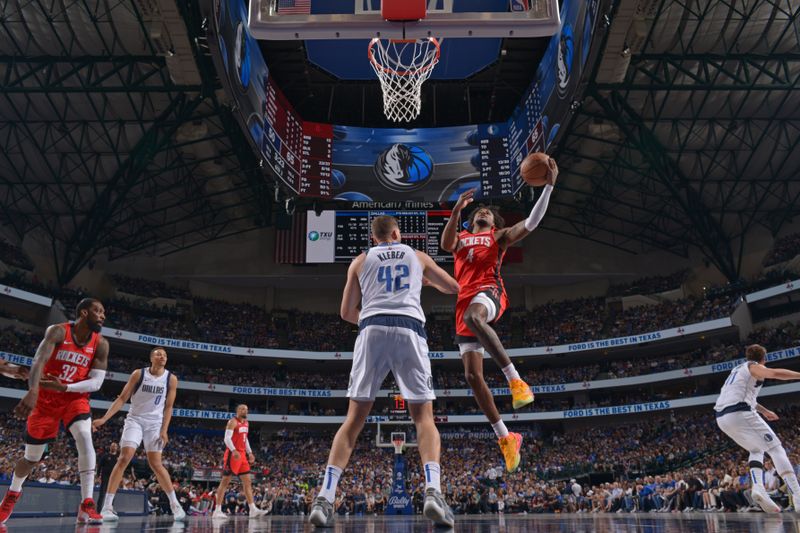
(386, 281)
(482, 299)
(737, 411)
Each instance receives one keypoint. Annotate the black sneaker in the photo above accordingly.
(321, 514)
(436, 509)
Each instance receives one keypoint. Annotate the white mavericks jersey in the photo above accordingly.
(147, 401)
(391, 281)
(740, 387)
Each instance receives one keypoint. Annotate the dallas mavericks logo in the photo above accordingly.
(404, 168)
(566, 51)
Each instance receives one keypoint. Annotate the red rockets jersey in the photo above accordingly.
(70, 363)
(477, 263)
(240, 436)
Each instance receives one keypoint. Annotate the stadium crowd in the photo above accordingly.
(668, 462)
(787, 335)
(783, 249)
(136, 308)
(649, 284)
(149, 288)
(13, 256)
(248, 325)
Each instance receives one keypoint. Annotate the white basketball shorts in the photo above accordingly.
(391, 343)
(749, 431)
(137, 431)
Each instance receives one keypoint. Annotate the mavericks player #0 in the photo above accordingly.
(152, 393)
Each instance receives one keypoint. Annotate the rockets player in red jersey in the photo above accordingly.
(70, 363)
(482, 299)
(236, 462)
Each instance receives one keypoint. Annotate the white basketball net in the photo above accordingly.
(402, 67)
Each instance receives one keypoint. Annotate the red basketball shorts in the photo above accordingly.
(231, 466)
(46, 417)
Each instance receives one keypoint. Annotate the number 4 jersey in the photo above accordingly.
(70, 362)
(391, 281)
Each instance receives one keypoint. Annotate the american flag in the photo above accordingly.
(290, 244)
(294, 7)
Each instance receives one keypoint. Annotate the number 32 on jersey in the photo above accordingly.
(67, 373)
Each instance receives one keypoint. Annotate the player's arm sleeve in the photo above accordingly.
(539, 209)
(90, 384)
(229, 440)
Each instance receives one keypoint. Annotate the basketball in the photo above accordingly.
(534, 169)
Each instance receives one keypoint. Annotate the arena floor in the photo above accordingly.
(584, 523)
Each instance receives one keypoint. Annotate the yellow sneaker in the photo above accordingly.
(521, 393)
(510, 446)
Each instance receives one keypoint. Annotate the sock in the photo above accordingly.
(500, 429)
(173, 500)
(785, 470)
(16, 482)
(328, 489)
(511, 372)
(757, 476)
(792, 485)
(432, 479)
(108, 503)
(87, 484)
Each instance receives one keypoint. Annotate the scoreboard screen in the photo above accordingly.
(398, 410)
(340, 236)
(419, 229)
(349, 163)
(299, 152)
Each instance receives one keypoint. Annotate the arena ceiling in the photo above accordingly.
(114, 132)
(688, 133)
(116, 135)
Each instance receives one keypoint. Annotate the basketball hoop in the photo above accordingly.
(402, 66)
(398, 446)
(398, 441)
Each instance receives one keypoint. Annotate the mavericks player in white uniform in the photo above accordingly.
(386, 282)
(737, 411)
(152, 394)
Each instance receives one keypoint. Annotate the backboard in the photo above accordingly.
(362, 19)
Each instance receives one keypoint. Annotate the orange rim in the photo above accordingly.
(404, 72)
